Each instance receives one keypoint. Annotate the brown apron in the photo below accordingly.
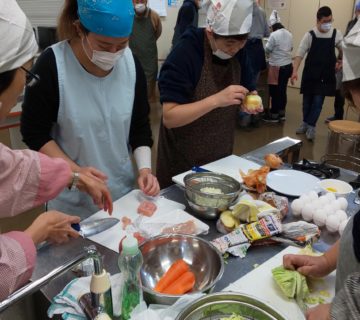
(208, 138)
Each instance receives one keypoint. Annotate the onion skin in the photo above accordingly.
(273, 161)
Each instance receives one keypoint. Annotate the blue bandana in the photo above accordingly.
(111, 18)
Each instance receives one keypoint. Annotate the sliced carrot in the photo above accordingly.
(181, 285)
(177, 269)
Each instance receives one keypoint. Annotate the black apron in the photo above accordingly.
(319, 71)
(208, 138)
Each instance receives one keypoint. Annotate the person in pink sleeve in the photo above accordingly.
(28, 178)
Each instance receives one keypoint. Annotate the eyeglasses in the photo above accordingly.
(31, 78)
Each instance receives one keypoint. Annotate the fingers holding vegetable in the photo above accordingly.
(316, 267)
(252, 104)
(232, 95)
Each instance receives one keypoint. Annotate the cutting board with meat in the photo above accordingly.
(147, 216)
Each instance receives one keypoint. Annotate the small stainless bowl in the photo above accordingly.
(161, 252)
(222, 305)
(208, 205)
(207, 213)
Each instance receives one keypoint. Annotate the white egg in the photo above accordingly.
(343, 203)
(330, 196)
(342, 226)
(329, 209)
(313, 195)
(332, 223)
(323, 200)
(296, 207)
(320, 217)
(307, 212)
(316, 204)
(341, 214)
(335, 205)
(305, 198)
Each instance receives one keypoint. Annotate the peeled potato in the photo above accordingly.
(253, 102)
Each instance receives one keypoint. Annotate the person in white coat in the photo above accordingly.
(278, 48)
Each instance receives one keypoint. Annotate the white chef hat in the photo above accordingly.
(274, 18)
(17, 39)
(351, 54)
(230, 17)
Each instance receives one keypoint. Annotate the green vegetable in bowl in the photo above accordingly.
(292, 283)
(234, 317)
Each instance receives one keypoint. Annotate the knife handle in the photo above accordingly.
(76, 226)
(199, 169)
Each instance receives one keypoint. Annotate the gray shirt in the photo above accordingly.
(259, 28)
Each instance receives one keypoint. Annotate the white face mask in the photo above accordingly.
(140, 7)
(326, 26)
(220, 54)
(103, 59)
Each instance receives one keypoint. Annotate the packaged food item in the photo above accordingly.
(247, 233)
(298, 233)
(278, 202)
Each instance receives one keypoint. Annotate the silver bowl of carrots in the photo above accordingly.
(178, 264)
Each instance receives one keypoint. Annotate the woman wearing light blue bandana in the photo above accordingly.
(91, 107)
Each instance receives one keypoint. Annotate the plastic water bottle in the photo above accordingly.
(130, 262)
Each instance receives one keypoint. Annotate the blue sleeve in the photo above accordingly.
(181, 71)
(248, 79)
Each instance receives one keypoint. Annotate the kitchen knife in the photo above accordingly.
(90, 228)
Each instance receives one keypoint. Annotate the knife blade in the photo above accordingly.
(89, 228)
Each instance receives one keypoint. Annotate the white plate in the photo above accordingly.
(291, 182)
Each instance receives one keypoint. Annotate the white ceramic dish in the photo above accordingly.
(338, 187)
(291, 182)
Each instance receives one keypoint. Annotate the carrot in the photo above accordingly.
(178, 268)
(181, 285)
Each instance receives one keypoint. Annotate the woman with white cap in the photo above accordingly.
(200, 90)
(278, 48)
(27, 178)
(344, 255)
(91, 108)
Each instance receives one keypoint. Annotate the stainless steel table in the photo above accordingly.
(53, 256)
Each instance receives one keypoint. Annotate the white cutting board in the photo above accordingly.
(260, 284)
(126, 206)
(229, 166)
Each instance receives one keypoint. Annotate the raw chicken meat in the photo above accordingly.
(125, 222)
(147, 208)
(187, 227)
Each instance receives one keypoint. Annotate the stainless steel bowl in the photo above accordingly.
(222, 305)
(160, 252)
(209, 205)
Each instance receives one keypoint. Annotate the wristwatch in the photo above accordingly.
(74, 181)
